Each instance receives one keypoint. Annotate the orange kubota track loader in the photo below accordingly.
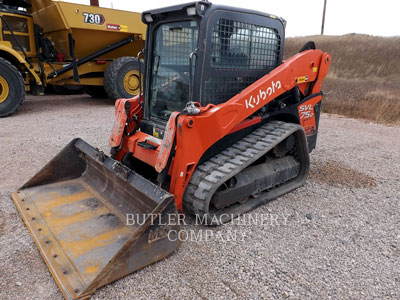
(223, 125)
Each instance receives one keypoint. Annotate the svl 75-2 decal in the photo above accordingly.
(306, 111)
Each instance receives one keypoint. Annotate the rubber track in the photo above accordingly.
(213, 173)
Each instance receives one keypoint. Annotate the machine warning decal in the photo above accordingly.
(158, 133)
(96, 19)
(302, 79)
(115, 27)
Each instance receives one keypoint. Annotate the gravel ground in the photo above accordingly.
(337, 237)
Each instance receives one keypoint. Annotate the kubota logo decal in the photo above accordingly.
(262, 95)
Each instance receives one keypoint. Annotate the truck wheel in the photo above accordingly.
(121, 79)
(95, 91)
(12, 88)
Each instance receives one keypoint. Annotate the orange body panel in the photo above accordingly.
(194, 134)
(125, 110)
(168, 143)
(307, 115)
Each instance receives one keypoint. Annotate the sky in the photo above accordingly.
(373, 17)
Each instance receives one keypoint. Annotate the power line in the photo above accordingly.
(323, 18)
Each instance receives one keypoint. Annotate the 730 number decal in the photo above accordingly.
(96, 19)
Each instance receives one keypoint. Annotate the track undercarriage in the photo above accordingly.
(265, 164)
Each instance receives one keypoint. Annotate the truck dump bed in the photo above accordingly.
(93, 28)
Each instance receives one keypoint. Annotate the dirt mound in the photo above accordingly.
(356, 56)
(363, 80)
(337, 174)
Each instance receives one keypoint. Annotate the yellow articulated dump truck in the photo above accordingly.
(45, 42)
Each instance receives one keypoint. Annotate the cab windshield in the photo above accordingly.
(173, 43)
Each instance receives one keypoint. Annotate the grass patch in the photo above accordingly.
(364, 78)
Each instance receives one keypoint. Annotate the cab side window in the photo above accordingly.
(19, 26)
(244, 46)
(241, 53)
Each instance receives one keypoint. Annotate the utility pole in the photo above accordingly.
(323, 19)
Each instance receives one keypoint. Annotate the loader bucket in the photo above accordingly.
(94, 220)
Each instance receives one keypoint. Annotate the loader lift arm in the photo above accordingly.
(195, 134)
(217, 122)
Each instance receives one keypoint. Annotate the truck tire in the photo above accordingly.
(12, 88)
(121, 79)
(96, 91)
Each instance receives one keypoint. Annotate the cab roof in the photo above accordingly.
(202, 7)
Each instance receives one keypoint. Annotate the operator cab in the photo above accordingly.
(17, 5)
(17, 25)
(227, 48)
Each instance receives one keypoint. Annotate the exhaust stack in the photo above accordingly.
(94, 3)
